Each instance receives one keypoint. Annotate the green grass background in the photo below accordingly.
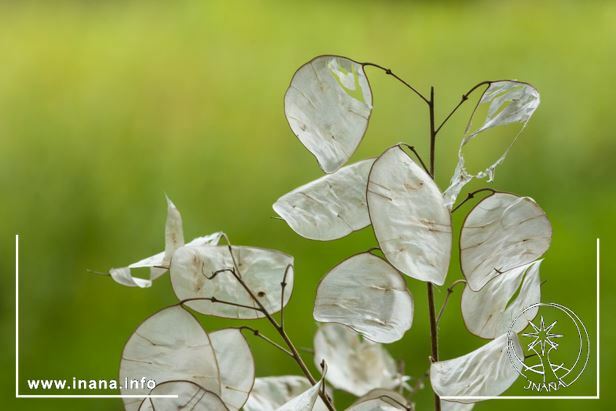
(106, 106)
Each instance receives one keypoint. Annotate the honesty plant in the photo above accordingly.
(363, 302)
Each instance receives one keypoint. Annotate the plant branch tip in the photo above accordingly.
(472, 195)
(97, 272)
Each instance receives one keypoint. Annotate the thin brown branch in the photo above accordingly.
(449, 292)
(283, 334)
(412, 148)
(258, 334)
(432, 132)
(471, 195)
(96, 272)
(215, 273)
(218, 301)
(431, 307)
(481, 83)
(391, 73)
(283, 286)
(465, 97)
(433, 337)
(395, 401)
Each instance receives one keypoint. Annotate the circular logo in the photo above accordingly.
(552, 349)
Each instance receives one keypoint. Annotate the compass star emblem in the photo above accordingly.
(543, 338)
(542, 362)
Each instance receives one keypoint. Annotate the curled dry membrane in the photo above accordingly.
(507, 102)
(159, 263)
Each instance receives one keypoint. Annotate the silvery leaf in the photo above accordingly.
(269, 393)
(367, 294)
(354, 365)
(174, 238)
(409, 217)
(174, 231)
(507, 102)
(262, 270)
(170, 345)
(380, 400)
(328, 105)
(236, 365)
(306, 401)
(375, 405)
(490, 311)
(502, 232)
(123, 276)
(210, 239)
(487, 371)
(331, 207)
(190, 397)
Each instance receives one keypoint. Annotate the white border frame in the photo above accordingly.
(17, 394)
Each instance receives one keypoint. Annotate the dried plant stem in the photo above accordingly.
(431, 309)
(462, 100)
(388, 398)
(283, 287)
(412, 148)
(218, 301)
(431, 306)
(433, 337)
(433, 133)
(471, 195)
(292, 351)
(449, 292)
(391, 73)
(258, 334)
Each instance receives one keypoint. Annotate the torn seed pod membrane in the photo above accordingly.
(363, 302)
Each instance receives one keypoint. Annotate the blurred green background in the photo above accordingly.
(106, 106)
